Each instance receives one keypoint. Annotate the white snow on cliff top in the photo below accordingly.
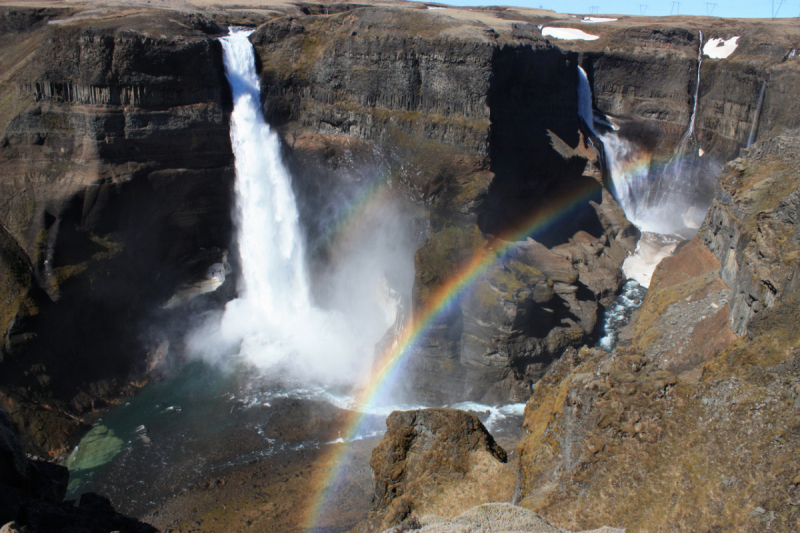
(720, 49)
(596, 19)
(568, 33)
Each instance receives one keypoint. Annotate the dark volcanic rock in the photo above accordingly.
(114, 177)
(31, 494)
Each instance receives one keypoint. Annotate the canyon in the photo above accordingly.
(464, 131)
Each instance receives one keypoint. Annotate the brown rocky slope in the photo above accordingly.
(691, 428)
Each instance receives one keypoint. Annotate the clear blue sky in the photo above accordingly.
(657, 8)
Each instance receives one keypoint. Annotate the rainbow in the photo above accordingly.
(447, 295)
(364, 202)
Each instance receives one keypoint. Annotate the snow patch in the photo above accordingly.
(651, 249)
(593, 20)
(719, 48)
(570, 34)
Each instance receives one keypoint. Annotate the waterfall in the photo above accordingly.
(674, 196)
(270, 240)
(585, 99)
(622, 158)
(661, 201)
(757, 117)
(690, 131)
(274, 322)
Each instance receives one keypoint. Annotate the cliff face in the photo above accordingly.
(459, 116)
(752, 228)
(116, 182)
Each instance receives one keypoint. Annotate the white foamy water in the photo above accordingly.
(619, 313)
(274, 323)
(650, 250)
(496, 414)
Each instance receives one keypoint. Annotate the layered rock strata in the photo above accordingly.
(458, 117)
(116, 186)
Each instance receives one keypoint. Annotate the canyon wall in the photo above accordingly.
(116, 186)
(116, 175)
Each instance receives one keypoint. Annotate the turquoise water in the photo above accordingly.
(200, 421)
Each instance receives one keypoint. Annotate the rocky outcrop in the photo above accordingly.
(752, 228)
(433, 459)
(31, 494)
(684, 320)
(521, 314)
(116, 175)
(608, 437)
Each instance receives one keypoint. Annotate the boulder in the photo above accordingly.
(434, 459)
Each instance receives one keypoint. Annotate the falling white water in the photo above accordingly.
(270, 241)
(757, 117)
(661, 201)
(673, 196)
(273, 323)
(585, 99)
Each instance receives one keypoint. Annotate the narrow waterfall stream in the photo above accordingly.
(658, 199)
(757, 117)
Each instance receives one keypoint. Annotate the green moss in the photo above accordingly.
(16, 282)
(94, 248)
(39, 246)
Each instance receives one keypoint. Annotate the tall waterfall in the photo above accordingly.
(661, 200)
(273, 323)
(270, 241)
(674, 195)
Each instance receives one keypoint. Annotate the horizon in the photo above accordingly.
(762, 9)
